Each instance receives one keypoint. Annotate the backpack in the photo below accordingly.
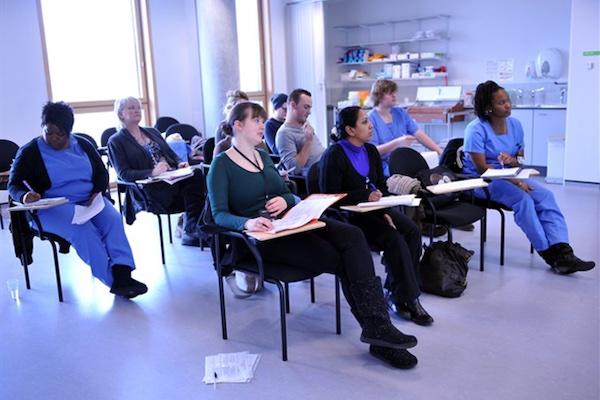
(434, 176)
(443, 269)
(453, 155)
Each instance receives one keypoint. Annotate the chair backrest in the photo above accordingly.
(452, 157)
(312, 179)
(88, 138)
(186, 131)
(106, 135)
(407, 161)
(208, 149)
(163, 123)
(8, 151)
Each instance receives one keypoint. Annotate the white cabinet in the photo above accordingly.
(525, 117)
(546, 123)
(538, 126)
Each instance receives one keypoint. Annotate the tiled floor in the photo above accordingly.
(518, 331)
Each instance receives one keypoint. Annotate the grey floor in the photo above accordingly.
(518, 331)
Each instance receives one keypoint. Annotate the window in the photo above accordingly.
(96, 52)
(252, 53)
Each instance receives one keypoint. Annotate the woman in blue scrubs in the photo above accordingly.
(495, 140)
(392, 126)
(58, 164)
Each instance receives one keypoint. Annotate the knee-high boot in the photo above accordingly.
(369, 305)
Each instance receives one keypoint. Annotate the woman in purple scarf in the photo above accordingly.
(353, 166)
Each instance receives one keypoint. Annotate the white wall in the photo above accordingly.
(582, 151)
(22, 78)
(278, 46)
(479, 30)
(23, 88)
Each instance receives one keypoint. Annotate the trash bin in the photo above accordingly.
(556, 160)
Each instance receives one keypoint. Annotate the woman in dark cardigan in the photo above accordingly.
(138, 153)
(59, 164)
(353, 166)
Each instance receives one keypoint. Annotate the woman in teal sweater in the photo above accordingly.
(245, 191)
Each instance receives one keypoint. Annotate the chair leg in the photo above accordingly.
(449, 234)
(282, 318)
(57, 272)
(26, 271)
(119, 201)
(338, 320)
(484, 226)
(313, 298)
(502, 233)
(221, 291)
(481, 243)
(287, 297)
(160, 235)
(1, 219)
(170, 230)
(530, 248)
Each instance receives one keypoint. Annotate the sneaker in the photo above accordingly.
(179, 227)
(235, 289)
(190, 240)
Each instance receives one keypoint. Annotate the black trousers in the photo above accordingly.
(187, 195)
(401, 249)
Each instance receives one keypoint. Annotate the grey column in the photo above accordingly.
(218, 57)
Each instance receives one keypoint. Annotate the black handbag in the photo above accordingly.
(443, 269)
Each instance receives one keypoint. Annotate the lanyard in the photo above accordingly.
(261, 170)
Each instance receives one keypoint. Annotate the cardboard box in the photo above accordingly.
(436, 113)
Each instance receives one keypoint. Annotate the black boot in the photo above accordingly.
(414, 311)
(397, 358)
(377, 329)
(124, 285)
(562, 260)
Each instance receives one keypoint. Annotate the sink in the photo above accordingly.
(552, 106)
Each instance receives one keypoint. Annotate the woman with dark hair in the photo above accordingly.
(244, 185)
(495, 140)
(139, 153)
(353, 166)
(59, 164)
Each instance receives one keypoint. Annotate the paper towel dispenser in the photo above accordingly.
(548, 64)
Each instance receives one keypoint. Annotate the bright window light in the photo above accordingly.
(249, 52)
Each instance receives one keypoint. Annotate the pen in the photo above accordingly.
(28, 186)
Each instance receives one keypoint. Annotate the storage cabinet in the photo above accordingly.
(539, 125)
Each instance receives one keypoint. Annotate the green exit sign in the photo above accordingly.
(591, 53)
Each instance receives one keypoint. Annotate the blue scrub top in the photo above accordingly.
(481, 138)
(70, 171)
(402, 124)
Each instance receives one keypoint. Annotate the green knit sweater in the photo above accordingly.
(237, 195)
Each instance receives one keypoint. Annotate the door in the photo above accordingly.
(546, 123)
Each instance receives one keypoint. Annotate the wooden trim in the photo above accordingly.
(268, 50)
(263, 58)
(147, 61)
(44, 48)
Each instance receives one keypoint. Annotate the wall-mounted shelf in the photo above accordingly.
(437, 76)
(412, 60)
(390, 42)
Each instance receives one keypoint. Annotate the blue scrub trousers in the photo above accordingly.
(100, 242)
(536, 212)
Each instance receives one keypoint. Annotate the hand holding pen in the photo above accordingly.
(506, 159)
(31, 195)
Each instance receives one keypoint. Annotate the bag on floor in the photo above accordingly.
(443, 269)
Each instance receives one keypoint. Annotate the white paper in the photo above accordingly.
(390, 201)
(525, 173)
(230, 367)
(83, 214)
(171, 177)
(47, 201)
(302, 213)
(492, 173)
(457, 186)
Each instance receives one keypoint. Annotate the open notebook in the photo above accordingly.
(306, 211)
(170, 177)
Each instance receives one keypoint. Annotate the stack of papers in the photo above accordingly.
(41, 204)
(306, 211)
(457, 186)
(230, 367)
(83, 214)
(492, 173)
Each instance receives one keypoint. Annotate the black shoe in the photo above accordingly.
(387, 336)
(132, 289)
(189, 239)
(397, 358)
(563, 261)
(438, 230)
(415, 312)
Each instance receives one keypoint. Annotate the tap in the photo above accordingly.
(563, 95)
(536, 96)
(519, 96)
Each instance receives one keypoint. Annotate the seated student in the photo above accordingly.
(353, 166)
(495, 140)
(138, 153)
(243, 184)
(279, 102)
(58, 164)
(392, 126)
(296, 141)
